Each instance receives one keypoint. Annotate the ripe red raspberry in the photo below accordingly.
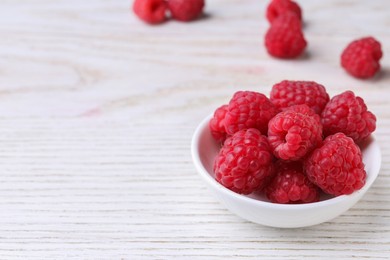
(284, 39)
(186, 10)
(361, 57)
(348, 114)
(280, 7)
(244, 163)
(294, 132)
(289, 93)
(151, 11)
(249, 109)
(336, 167)
(217, 124)
(290, 185)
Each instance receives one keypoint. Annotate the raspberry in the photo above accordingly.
(249, 109)
(280, 7)
(151, 11)
(244, 163)
(186, 10)
(289, 93)
(336, 167)
(361, 57)
(290, 185)
(284, 39)
(294, 132)
(348, 114)
(217, 124)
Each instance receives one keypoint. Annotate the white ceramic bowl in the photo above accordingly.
(259, 209)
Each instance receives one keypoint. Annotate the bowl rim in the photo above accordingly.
(216, 185)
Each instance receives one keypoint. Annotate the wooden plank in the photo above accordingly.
(96, 115)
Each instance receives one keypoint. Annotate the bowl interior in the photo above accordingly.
(205, 149)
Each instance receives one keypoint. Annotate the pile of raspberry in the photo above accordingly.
(294, 145)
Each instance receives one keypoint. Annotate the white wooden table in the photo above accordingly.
(96, 115)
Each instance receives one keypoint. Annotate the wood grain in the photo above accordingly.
(96, 115)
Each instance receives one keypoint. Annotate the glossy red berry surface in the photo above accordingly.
(361, 57)
(336, 167)
(288, 93)
(280, 7)
(284, 39)
(294, 132)
(151, 11)
(248, 109)
(245, 163)
(290, 185)
(348, 114)
(186, 10)
(217, 124)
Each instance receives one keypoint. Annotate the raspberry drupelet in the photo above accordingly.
(348, 114)
(248, 109)
(245, 162)
(336, 167)
(288, 93)
(290, 185)
(294, 132)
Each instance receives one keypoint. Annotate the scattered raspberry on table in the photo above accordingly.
(284, 39)
(337, 166)
(361, 57)
(280, 7)
(288, 93)
(245, 163)
(290, 185)
(151, 11)
(186, 10)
